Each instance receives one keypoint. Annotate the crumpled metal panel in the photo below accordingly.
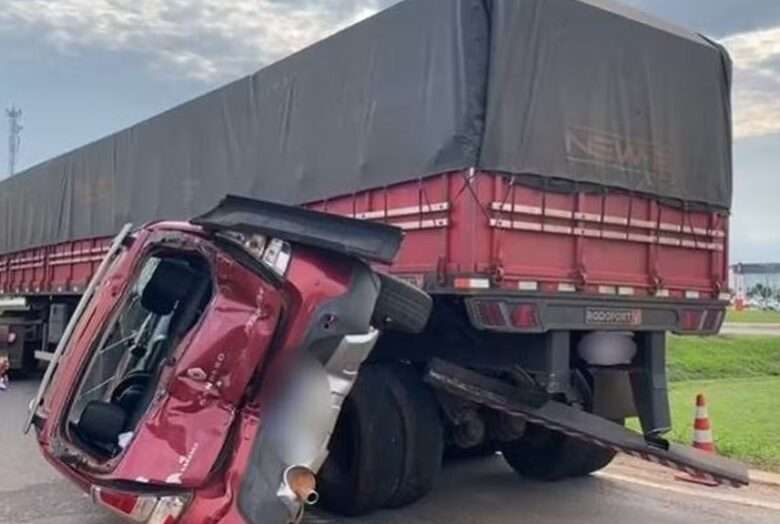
(183, 435)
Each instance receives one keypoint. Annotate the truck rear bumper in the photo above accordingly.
(537, 313)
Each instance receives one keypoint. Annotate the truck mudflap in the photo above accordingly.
(557, 416)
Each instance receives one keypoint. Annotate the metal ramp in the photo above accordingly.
(524, 403)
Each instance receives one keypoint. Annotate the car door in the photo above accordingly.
(200, 390)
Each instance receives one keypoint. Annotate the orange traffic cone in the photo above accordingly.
(702, 439)
(702, 430)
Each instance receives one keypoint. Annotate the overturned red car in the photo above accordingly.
(202, 375)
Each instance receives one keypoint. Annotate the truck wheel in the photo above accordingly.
(365, 465)
(401, 306)
(482, 451)
(423, 435)
(544, 454)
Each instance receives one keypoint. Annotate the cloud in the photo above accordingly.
(756, 57)
(209, 40)
(216, 40)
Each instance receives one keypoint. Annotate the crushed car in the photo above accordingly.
(202, 375)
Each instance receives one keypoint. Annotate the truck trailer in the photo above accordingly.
(561, 170)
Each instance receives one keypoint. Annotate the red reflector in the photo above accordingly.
(524, 316)
(490, 313)
(148, 509)
(691, 319)
(121, 502)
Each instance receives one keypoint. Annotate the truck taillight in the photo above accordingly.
(147, 509)
(500, 314)
(525, 316)
(692, 319)
(700, 319)
(490, 313)
(713, 320)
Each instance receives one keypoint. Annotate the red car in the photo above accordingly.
(203, 372)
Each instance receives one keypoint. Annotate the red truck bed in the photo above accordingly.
(471, 230)
(476, 230)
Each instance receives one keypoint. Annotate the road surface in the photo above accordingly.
(746, 328)
(475, 492)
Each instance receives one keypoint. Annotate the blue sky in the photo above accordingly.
(81, 69)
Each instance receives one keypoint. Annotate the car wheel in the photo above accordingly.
(423, 434)
(365, 465)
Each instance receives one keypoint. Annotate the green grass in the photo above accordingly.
(744, 416)
(751, 316)
(740, 376)
(703, 358)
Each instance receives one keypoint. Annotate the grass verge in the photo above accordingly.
(740, 376)
(750, 316)
(743, 412)
(705, 358)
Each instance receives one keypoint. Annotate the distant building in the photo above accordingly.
(744, 277)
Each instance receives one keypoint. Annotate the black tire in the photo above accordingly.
(543, 454)
(401, 306)
(481, 451)
(594, 458)
(548, 455)
(366, 463)
(423, 435)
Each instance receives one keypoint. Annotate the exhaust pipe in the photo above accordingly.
(302, 483)
(298, 490)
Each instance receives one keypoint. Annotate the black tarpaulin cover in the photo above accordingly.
(584, 91)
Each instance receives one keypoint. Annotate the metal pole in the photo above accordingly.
(116, 245)
(14, 137)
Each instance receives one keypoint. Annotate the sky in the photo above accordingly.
(82, 69)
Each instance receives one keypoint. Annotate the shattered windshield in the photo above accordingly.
(125, 348)
(167, 297)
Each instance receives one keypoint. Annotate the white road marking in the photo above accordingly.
(711, 495)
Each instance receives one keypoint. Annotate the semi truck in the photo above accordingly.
(562, 173)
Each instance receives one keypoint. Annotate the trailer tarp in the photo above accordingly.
(582, 91)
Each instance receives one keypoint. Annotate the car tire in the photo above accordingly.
(365, 465)
(423, 435)
(401, 306)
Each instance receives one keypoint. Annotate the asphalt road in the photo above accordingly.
(476, 492)
(745, 328)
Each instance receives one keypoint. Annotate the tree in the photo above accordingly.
(761, 292)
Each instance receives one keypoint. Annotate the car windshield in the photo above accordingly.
(168, 296)
(125, 349)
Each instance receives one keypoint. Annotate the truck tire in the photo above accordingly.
(423, 435)
(365, 465)
(482, 451)
(401, 306)
(544, 454)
